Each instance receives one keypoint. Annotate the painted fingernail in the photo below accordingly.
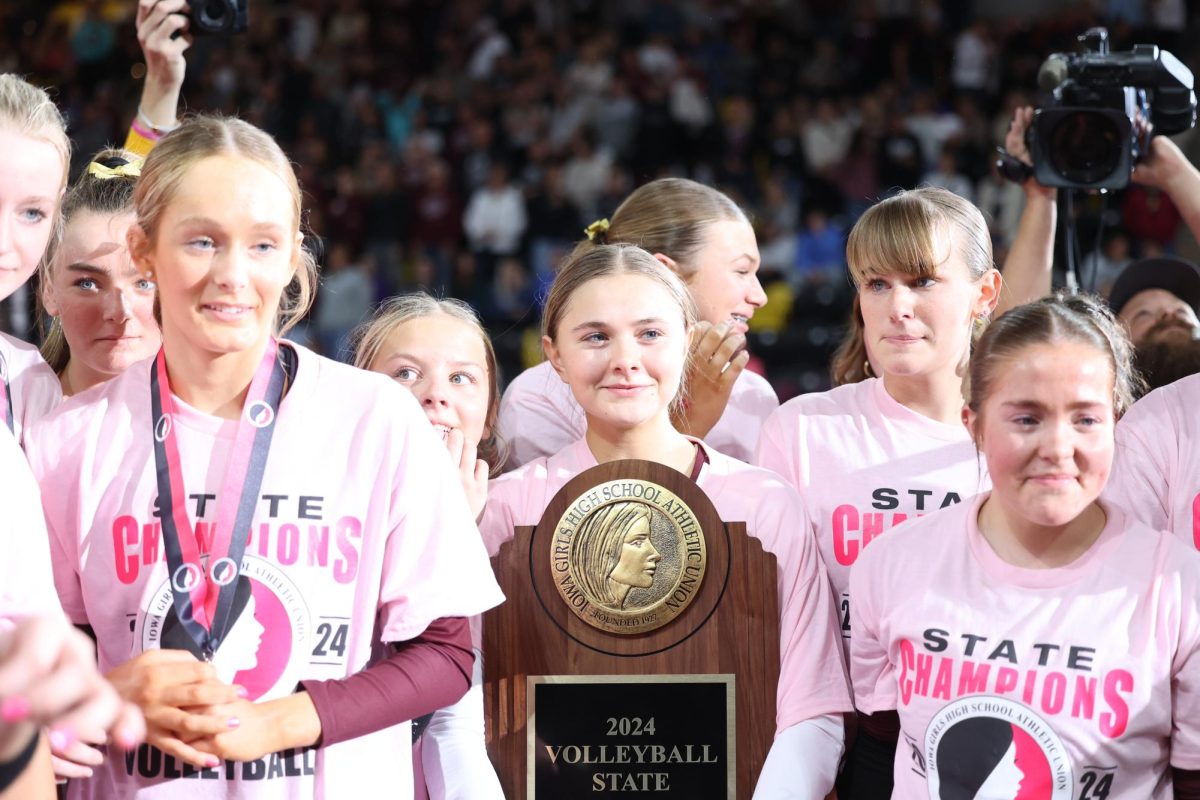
(127, 739)
(242, 692)
(61, 738)
(14, 709)
(234, 722)
(212, 761)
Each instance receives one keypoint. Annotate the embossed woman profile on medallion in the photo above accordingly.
(628, 556)
(613, 553)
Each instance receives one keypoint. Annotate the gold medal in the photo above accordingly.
(628, 556)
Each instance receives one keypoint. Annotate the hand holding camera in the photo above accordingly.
(1088, 136)
(162, 31)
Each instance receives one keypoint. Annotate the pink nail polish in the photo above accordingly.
(61, 739)
(14, 709)
(242, 692)
(212, 761)
(234, 722)
(127, 740)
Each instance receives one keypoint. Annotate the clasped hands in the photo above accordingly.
(190, 715)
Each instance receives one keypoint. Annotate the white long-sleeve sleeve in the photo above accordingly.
(803, 761)
(453, 755)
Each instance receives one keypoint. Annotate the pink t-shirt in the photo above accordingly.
(862, 464)
(1156, 469)
(34, 386)
(362, 535)
(1082, 681)
(539, 416)
(26, 582)
(812, 676)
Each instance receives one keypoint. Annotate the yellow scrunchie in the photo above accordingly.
(596, 228)
(131, 170)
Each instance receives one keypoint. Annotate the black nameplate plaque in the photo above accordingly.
(629, 736)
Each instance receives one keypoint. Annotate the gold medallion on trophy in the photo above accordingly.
(628, 556)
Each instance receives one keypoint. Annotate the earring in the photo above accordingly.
(867, 368)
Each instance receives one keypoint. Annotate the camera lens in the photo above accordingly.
(215, 15)
(1086, 147)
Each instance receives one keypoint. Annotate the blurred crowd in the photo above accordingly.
(462, 145)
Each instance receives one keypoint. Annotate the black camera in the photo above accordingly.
(1088, 136)
(218, 17)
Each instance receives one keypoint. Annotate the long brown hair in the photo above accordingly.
(851, 360)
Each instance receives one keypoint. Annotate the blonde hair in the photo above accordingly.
(368, 339)
(669, 216)
(898, 235)
(602, 261)
(30, 111)
(90, 193)
(203, 136)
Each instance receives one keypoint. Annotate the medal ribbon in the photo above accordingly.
(6, 395)
(203, 597)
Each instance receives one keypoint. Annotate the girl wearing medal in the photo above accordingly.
(702, 236)
(616, 332)
(33, 174)
(438, 349)
(236, 474)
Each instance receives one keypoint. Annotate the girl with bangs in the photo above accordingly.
(867, 456)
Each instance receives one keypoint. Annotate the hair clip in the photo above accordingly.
(131, 169)
(597, 231)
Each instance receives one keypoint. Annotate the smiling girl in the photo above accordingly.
(236, 455)
(616, 331)
(1035, 609)
(33, 174)
(702, 236)
(438, 349)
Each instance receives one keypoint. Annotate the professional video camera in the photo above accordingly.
(214, 17)
(1088, 136)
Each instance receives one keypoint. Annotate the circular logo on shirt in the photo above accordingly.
(268, 641)
(985, 746)
(260, 414)
(628, 556)
(162, 428)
